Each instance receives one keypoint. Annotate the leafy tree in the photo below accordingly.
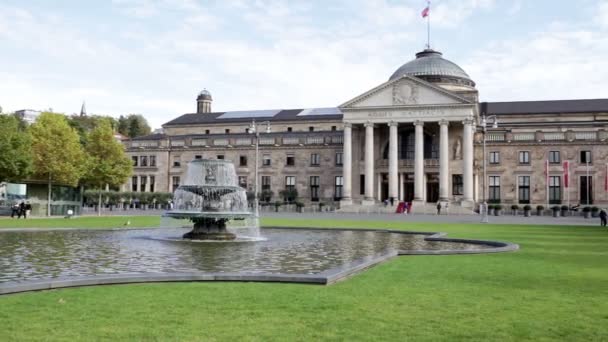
(57, 153)
(134, 125)
(109, 163)
(15, 144)
(85, 124)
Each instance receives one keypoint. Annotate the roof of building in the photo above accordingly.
(546, 107)
(430, 63)
(156, 136)
(330, 113)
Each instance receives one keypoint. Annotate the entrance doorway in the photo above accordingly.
(408, 191)
(432, 192)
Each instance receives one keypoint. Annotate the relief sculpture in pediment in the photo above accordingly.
(404, 94)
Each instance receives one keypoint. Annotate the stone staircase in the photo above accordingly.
(417, 209)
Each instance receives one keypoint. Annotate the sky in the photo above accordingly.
(153, 57)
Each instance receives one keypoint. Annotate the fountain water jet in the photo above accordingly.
(210, 197)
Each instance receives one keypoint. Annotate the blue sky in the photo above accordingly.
(153, 56)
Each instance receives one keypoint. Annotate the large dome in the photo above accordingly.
(430, 66)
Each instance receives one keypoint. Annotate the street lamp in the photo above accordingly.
(484, 125)
(253, 129)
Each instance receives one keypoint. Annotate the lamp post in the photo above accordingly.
(253, 129)
(484, 124)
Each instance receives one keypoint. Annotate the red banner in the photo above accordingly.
(566, 174)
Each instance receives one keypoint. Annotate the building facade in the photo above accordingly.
(415, 138)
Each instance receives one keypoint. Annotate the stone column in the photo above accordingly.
(444, 161)
(393, 162)
(419, 163)
(401, 188)
(467, 160)
(147, 184)
(369, 164)
(347, 164)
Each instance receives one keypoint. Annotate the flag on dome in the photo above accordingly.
(425, 12)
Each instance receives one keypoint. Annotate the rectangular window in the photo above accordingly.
(265, 183)
(314, 188)
(220, 156)
(246, 130)
(494, 157)
(494, 189)
(290, 187)
(142, 183)
(266, 160)
(227, 130)
(198, 156)
(135, 160)
(339, 156)
(291, 159)
(152, 181)
(311, 129)
(586, 190)
(315, 159)
(339, 184)
(153, 161)
(143, 161)
(333, 128)
(177, 161)
(585, 157)
(289, 129)
(457, 185)
(243, 182)
(175, 182)
(554, 157)
(524, 189)
(134, 183)
(524, 157)
(555, 190)
(207, 131)
(243, 160)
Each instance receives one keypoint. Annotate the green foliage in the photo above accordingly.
(15, 150)
(586, 209)
(133, 125)
(85, 124)
(289, 195)
(266, 196)
(527, 207)
(514, 207)
(540, 207)
(108, 162)
(57, 153)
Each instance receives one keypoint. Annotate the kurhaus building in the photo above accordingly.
(418, 137)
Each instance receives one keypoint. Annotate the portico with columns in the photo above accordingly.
(409, 140)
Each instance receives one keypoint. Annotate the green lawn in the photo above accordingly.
(554, 288)
(82, 222)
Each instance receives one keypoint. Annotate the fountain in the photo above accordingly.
(210, 197)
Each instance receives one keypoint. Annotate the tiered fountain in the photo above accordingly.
(210, 197)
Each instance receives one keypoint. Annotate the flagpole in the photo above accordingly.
(428, 26)
(547, 181)
(568, 185)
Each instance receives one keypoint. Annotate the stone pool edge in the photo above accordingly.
(327, 277)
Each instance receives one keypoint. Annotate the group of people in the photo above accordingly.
(21, 209)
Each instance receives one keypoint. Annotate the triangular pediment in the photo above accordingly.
(404, 91)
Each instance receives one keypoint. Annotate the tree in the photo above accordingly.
(85, 124)
(15, 144)
(134, 125)
(109, 163)
(57, 153)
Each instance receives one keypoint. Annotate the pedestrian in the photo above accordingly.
(603, 217)
(28, 208)
(406, 208)
(21, 210)
(14, 210)
(438, 208)
(392, 201)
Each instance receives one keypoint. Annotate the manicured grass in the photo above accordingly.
(82, 222)
(554, 288)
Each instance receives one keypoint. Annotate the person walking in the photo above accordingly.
(603, 217)
(438, 208)
(14, 210)
(28, 208)
(21, 210)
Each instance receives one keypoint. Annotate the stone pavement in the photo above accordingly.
(504, 219)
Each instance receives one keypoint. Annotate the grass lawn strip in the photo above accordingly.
(554, 288)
